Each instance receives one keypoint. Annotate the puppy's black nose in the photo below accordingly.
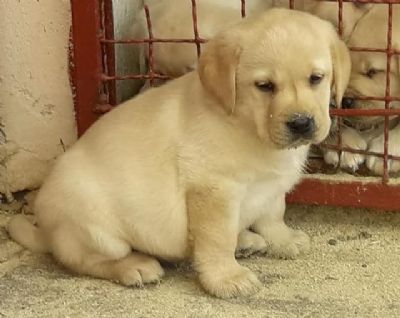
(302, 126)
(348, 102)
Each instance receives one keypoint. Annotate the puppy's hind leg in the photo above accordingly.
(23, 231)
(106, 257)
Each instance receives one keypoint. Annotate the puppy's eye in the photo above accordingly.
(266, 86)
(316, 79)
(371, 72)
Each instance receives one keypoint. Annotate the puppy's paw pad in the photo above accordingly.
(238, 281)
(250, 243)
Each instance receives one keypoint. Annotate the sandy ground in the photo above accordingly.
(352, 270)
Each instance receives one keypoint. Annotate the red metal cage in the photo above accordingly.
(93, 70)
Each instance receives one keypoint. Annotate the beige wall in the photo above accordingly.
(36, 107)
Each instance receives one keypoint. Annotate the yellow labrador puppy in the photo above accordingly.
(368, 78)
(179, 171)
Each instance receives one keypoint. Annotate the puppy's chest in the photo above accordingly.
(259, 192)
(269, 187)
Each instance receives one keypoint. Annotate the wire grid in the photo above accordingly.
(108, 77)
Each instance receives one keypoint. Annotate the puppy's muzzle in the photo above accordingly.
(301, 126)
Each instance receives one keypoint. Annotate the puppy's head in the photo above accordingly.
(275, 73)
(369, 74)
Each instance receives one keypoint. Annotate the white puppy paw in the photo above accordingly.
(375, 164)
(331, 157)
(284, 242)
(348, 160)
(250, 243)
(230, 281)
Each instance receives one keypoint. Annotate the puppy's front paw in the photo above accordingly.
(331, 157)
(250, 243)
(348, 160)
(375, 164)
(284, 242)
(231, 281)
(351, 161)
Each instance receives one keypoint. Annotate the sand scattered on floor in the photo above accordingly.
(352, 270)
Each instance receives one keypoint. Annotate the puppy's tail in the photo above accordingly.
(27, 234)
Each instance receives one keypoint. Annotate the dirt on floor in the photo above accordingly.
(352, 270)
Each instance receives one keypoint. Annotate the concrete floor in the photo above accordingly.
(352, 270)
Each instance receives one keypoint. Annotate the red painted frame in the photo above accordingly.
(86, 65)
(94, 77)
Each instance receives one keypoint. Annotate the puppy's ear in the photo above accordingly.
(341, 67)
(217, 69)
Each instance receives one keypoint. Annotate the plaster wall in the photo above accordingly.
(36, 105)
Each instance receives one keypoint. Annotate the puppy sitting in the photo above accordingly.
(368, 78)
(183, 170)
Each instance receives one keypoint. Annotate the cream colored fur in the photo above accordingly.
(371, 32)
(183, 171)
(352, 12)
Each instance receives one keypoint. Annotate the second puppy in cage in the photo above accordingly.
(184, 170)
(369, 78)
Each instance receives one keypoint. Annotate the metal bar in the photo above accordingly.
(150, 55)
(104, 77)
(195, 29)
(86, 60)
(387, 94)
(352, 150)
(153, 40)
(364, 112)
(340, 119)
(340, 17)
(368, 49)
(384, 98)
(243, 8)
(369, 1)
(201, 40)
(110, 50)
(374, 195)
